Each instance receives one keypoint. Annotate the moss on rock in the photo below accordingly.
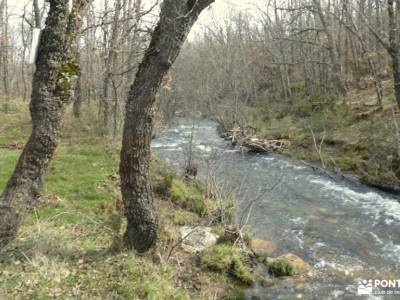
(287, 265)
(228, 259)
(280, 268)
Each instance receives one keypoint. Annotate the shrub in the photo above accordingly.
(306, 107)
(161, 179)
(240, 272)
(220, 211)
(226, 258)
(218, 258)
(188, 195)
(348, 163)
(280, 268)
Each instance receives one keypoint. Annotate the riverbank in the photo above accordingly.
(70, 245)
(344, 231)
(354, 138)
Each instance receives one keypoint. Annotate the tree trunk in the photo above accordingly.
(78, 90)
(394, 48)
(36, 9)
(353, 29)
(24, 40)
(51, 92)
(4, 46)
(176, 19)
(111, 61)
(336, 66)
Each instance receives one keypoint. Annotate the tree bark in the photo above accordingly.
(176, 19)
(4, 46)
(394, 47)
(353, 29)
(336, 67)
(36, 9)
(110, 62)
(78, 89)
(51, 92)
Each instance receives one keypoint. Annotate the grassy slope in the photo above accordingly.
(358, 140)
(67, 246)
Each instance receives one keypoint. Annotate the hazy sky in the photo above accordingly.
(221, 8)
(214, 13)
(218, 8)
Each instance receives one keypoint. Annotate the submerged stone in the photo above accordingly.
(262, 247)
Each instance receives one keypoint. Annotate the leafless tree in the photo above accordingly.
(176, 20)
(51, 93)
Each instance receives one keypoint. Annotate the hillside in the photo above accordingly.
(355, 137)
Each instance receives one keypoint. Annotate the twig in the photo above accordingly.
(318, 148)
(249, 207)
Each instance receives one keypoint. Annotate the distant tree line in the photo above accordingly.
(286, 49)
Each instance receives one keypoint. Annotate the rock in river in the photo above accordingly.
(299, 266)
(262, 247)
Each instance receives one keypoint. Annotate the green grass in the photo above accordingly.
(224, 258)
(280, 268)
(77, 171)
(70, 245)
(358, 139)
(8, 159)
(15, 123)
(189, 195)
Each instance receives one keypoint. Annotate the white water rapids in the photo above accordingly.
(347, 232)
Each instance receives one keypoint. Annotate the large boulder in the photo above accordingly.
(262, 247)
(289, 264)
(197, 239)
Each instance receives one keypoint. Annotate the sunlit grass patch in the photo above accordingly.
(76, 172)
(15, 123)
(70, 246)
(74, 260)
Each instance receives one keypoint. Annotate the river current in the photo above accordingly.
(347, 231)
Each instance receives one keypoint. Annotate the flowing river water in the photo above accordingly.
(346, 231)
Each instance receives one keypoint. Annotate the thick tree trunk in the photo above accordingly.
(51, 92)
(176, 19)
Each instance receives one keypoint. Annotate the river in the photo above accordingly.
(348, 232)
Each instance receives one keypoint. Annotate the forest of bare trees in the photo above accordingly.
(287, 48)
(279, 47)
(87, 86)
(58, 81)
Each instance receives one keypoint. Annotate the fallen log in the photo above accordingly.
(240, 139)
(262, 146)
